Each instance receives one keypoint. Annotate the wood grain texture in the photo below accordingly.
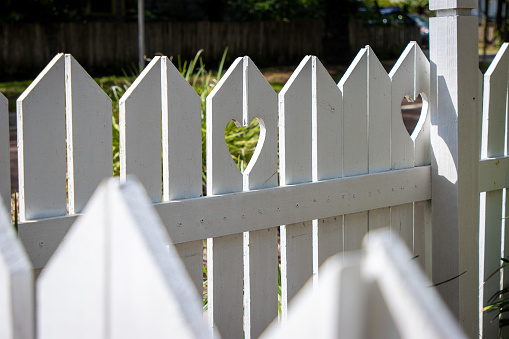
(327, 155)
(225, 254)
(379, 137)
(140, 130)
(88, 125)
(260, 247)
(41, 144)
(295, 152)
(182, 166)
(354, 86)
(402, 145)
(16, 284)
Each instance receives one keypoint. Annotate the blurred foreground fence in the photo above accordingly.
(109, 46)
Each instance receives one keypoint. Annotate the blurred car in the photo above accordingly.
(396, 16)
(423, 23)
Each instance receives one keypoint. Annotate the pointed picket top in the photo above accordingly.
(181, 125)
(5, 172)
(410, 77)
(241, 95)
(16, 284)
(89, 140)
(295, 126)
(117, 275)
(354, 87)
(495, 103)
(327, 124)
(260, 102)
(380, 286)
(140, 130)
(334, 309)
(417, 310)
(379, 107)
(224, 103)
(41, 144)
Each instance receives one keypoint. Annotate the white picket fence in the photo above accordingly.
(347, 166)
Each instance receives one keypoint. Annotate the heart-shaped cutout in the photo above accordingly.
(242, 141)
(411, 112)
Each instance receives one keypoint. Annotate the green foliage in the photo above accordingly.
(498, 303)
(240, 141)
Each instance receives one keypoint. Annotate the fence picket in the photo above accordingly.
(88, 122)
(5, 171)
(327, 154)
(16, 283)
(379, 113)
(182, 166)
(354, 87)
(140, 130)
(260, 247)
(493, 145)
(224, 254)
(130, 283)
(402, 146)
(41, 144)
(295, 152)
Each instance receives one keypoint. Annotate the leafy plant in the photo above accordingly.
(498, 303)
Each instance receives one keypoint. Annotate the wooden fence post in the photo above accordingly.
(455, 131)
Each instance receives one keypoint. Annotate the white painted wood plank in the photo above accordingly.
(163, 302)
(447, 4)
(224, 103)
(421, 133)
(295, 151)
(327, 153)
(224, 255)
(5, 167)
(295, 126)
(129, 281)
(422, 235)
(16, 284)
(182, 166)
(403, 77)
(260, 247)
(417, 310)
(493, 174)
(181, 136)
(88, 124)
(354, 88)
(41, 144)
(140, 130)
(333, 309)
(422, 157)
(225, 284)
(240, 211)
(379, 137)
(492, 254)
(493, 145)
(72, 290)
